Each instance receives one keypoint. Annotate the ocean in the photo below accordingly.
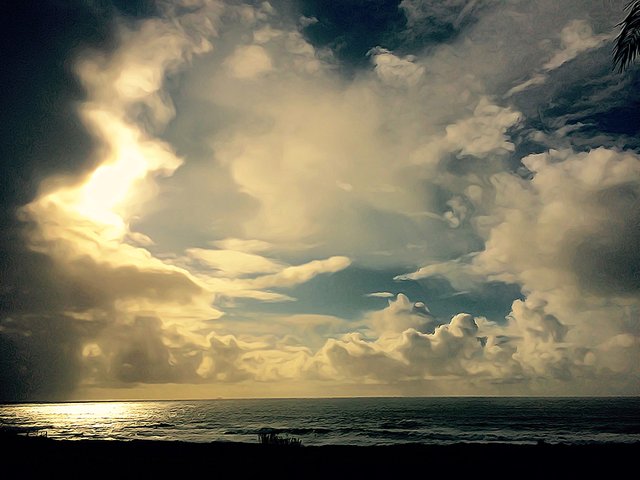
(339, 421)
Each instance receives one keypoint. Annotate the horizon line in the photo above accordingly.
(358, 397)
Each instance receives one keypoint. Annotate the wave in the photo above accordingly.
(281, 431)
(151, 425)
(355, 422)
(402, 424)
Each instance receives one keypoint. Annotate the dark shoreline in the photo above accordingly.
(31, 455)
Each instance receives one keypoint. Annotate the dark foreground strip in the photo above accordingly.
(29, 456)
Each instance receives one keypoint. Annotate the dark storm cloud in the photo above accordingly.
(136, 353)
(41, 135)
(40, 356)
(607, 260)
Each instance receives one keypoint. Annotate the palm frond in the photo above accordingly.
(627, 44)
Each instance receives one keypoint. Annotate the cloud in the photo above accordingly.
(453, 13)
(249, 61)
(380, 295)
(529, 353)
(562, 236)
(235, 162)
(576, 38)
(243, 245)
(565, 205)
(484, 132)
(396, 71)
(264, 35)
(81, 225)
(302, 273)
(459, 272)
(537, 79)
(233, 263)
(227, 283)
(401, 315)
(38, 359)
(126, 106)
(306, 21)
(403, 353)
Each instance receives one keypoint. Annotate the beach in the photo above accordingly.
(32, 456)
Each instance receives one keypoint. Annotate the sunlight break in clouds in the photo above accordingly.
(240, 167)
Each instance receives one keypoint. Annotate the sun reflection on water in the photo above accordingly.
(94, 410)
(107, 420)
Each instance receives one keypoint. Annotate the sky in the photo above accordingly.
(298, 198)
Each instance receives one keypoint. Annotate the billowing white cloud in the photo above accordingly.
(565, 236)
(400, 315)
(484, 132)
(450, 352)
(396, 71)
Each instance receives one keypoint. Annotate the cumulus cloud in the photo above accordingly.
(483, 132)
(394, 70)
(561, 236)
(401, 315)
(404, 353)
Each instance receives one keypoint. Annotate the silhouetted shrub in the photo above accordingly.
(272, 438)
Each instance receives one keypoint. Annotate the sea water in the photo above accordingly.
(345, 421)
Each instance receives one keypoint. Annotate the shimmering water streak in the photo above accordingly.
(356, 421)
